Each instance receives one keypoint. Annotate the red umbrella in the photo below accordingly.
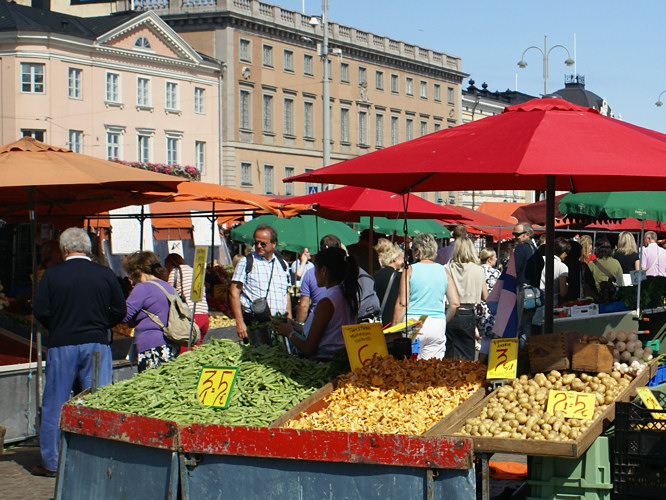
(480, 223)
(535, 213)
(351, 202)
(541, 144)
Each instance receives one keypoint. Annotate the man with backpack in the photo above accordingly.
(260, 284)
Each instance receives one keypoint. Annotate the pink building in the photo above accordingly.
(121, 86)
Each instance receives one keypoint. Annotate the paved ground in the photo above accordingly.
(16, 482)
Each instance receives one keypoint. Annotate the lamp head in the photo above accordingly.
(569, 62)
(659, 104)
(522, 64)
(314, 22)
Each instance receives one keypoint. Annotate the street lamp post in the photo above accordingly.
(545, 52)
(659, 104)
(323, 51)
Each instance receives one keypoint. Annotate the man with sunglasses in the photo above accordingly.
(267, 279)
(525, 259)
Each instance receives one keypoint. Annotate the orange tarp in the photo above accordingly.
(500, 210)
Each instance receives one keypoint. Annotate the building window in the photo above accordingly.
(395, 83)
(344, 72)
(409, 85)
(379, 131)
(171, 97)
(344, 125)
(437, 92)
(143, 148)
(200, 155)
(423, 89)
(288, 60)
(245, 50)
(244, 109)
(199, 100)
(246, 174)
(329, 67)
(449, 95)
(75, 140)
(36, 134)
(142, 43)
(379, 80)
(74, 83)
(267, 114)
(362, 76)
(113, 87)
(289, 186)
(268, 179)
(32, 78)
(267, 56)
(308, 65)
(409, 129)
(288, 116)
(424, 128)
(172, 150)
(438, 126)
(112, 145)
(143, 92)
(395, 130)
(308, 120)
(362, 127)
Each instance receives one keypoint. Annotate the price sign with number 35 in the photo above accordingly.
(502, 362)
(215, 384)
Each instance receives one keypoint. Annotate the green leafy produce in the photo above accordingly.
(269, 383)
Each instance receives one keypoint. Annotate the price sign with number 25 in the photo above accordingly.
(215, 384)
(571, 403)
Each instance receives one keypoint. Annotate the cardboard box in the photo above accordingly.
(582, 311)
(547, 352)
(592, 358)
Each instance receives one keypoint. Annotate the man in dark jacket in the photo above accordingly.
(528, 272)
(77, 301)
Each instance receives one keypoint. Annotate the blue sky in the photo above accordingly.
(620, 45)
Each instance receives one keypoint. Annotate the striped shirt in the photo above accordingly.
(256, 283)
(186, 288)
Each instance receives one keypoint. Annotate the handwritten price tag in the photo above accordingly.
(572, 404)
(503, 359)
(215, 384)
(363, 342)
(650, 402)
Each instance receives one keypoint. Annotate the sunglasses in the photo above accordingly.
(260, 243)
(515, 235)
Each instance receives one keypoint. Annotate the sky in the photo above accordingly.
(620, 46)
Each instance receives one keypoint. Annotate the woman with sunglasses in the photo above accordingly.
(321, 336)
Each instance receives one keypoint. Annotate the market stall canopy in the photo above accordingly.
(516, 149)
(222, 196)
(500, 209)
(58, 182)
(535, 213)
(297, 233)
(350, 202)
(478, 223)
(629, 224)
(382, 225)
(644, 205)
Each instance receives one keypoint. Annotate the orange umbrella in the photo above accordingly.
(57, 181)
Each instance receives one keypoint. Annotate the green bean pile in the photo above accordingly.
(269, 383)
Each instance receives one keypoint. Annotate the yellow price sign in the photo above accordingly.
(363, 342)
(572, 404)
(199, 273)
(650, 402)
(503, 358)
(215, 384)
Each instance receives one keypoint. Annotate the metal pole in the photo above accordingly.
(212, 237)
(550, 242)
(35, 330)
(326, 114)
(95, 373)
(545, 65)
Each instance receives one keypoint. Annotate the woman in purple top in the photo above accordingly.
(152, 348)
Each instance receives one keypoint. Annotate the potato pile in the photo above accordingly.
(518, 410)
(396, 397)
(220, 321)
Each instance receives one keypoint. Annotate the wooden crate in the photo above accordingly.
(564, 449)
(592, 358)
(547, 352)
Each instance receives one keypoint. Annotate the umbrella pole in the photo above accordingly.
(212, 236)
(550, 242)
(370, 240)
(640, 274)
(35, 331)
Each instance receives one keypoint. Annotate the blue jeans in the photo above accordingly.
(63, 365)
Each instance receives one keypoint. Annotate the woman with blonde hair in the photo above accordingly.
(586, 255)
(423, 286)
(387, 279)
(470, 283)
(626, 252)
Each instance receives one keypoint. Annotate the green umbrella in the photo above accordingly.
(297, 233)
(383, 225)
(650, 205)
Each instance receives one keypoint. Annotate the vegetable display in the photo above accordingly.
(269, 383)
(628, 352)
(391, 396)
(518, 410)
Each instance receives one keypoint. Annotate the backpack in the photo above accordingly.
(179, 322)
(369, 307)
